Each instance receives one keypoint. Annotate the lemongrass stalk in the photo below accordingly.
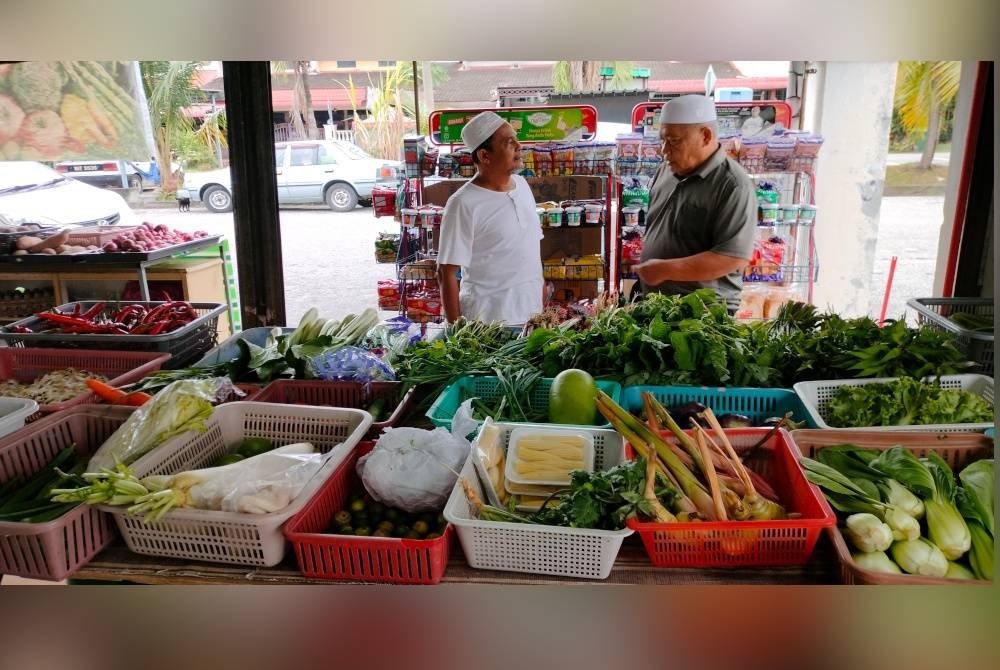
(637, 433)
(713, 482)
(738, 472)
(660, 513)
(664, 416)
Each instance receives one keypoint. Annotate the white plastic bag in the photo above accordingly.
(413, 469)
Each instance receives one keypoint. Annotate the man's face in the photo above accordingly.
(505, 151)
(683, 147)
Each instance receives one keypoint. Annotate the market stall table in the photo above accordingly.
(118, 564)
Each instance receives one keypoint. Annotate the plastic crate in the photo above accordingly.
(186, 344)
(363, 559)
(488, 388)
(816, 395)
(14, 412)
(355, 395)
(229, 537)
(748, 543)
(957, 449)
(757, 404)
(934, 313)
(85, 236)
(549, 550)
(55, 549)
(120, 367)
(8, 241)
(230, 350)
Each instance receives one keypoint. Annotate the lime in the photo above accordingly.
(571, 398)
(253, 446)
(229, 458)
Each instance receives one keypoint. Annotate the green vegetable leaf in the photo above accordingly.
(979, 482)
(900, 464)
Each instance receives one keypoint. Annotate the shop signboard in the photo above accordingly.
(532, 124)
(759, 118)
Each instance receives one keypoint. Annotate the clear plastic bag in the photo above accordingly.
(351, 364)
(181, 406)
(413, 469)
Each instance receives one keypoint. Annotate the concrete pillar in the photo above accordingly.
(850, 104)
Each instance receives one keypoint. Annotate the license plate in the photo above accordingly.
(85, 168)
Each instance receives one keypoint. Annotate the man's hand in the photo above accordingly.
(653, 271)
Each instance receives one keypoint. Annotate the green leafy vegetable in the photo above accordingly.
(904, 402)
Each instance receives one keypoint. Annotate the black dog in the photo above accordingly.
(183, 204)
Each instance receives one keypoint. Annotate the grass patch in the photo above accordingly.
(911, 175)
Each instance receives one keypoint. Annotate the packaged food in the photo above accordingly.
(573, 215)
(752, 299)
(629, 145)
(562, 159)
(730, 142)
(428, 163)
(447, 165)
(603, 157)
(774, 298)
(583, 159)
(528, 159)
(554, 216)
(543, 161)
(631, 215)
(767, 213)
(593, 213)
(809, 145)
(807, 214)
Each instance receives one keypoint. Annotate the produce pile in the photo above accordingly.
(148, 237)
(891, 501)
(30, 499)
(51, 388)
(905, 402)
(104, 319)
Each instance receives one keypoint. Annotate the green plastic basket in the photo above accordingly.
(757, 404)
(488, 388)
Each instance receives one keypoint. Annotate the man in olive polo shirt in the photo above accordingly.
(702, 209)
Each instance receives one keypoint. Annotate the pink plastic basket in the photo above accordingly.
(56, 549)
(120, 367)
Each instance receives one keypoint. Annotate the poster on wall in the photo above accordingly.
(72, 110)
(760, 118)
(532, 124)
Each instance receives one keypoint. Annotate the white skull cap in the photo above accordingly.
(688, 109)
(480, 128)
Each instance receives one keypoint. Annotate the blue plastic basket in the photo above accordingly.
(757, 404)
(488, 388)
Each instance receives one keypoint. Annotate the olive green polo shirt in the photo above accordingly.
(712, 209)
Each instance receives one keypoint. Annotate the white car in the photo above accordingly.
(331, 172)
(32, 192)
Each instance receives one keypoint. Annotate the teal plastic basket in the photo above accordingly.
(757, 404)
(488, 388)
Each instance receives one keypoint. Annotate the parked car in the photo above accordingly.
(331, 172)
(33, 192)
(141, 175)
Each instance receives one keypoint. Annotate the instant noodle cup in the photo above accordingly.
(592, 213)
(540, 211)
(573, 215)
(427, 217)
(789, 214)
(410, 217)
(554, 215)
(768, 213)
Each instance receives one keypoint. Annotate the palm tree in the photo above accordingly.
(302, 112)
(571, 76)
(923, 89)
(170, 88)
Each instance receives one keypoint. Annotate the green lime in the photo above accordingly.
(229, 458)
(253, 446)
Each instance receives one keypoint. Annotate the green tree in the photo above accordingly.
(170, 88)
(923, 90)
(302, 112)
(573, 76)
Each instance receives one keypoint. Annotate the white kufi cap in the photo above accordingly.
(480, 128)
(688, 109)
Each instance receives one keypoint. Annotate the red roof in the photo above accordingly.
(281, 101)
(698, 85)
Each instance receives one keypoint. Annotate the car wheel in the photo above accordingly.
(135, 182)
(341, 198)
(217, 199)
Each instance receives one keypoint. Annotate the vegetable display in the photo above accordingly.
(104, 319)
(53, 387)
(905, 402)
(910, 512)
(365, 516)
(28, 500)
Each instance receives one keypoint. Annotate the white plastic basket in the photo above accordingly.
(14, 412)
(230, 537)
(816, 395)
(547, 550)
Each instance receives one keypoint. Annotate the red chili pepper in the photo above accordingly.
(127, 311)
(94, 311)
(158, 328)
(64, 319)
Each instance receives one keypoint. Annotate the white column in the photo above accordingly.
(850, 104)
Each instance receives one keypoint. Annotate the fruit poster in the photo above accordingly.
(70, 110)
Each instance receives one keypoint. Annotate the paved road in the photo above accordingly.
(329, 258)
(940, 158)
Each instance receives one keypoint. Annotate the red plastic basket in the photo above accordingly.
(120, 367)
(353, 395)
(56, 549)
(361, 559)
(746, 543)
